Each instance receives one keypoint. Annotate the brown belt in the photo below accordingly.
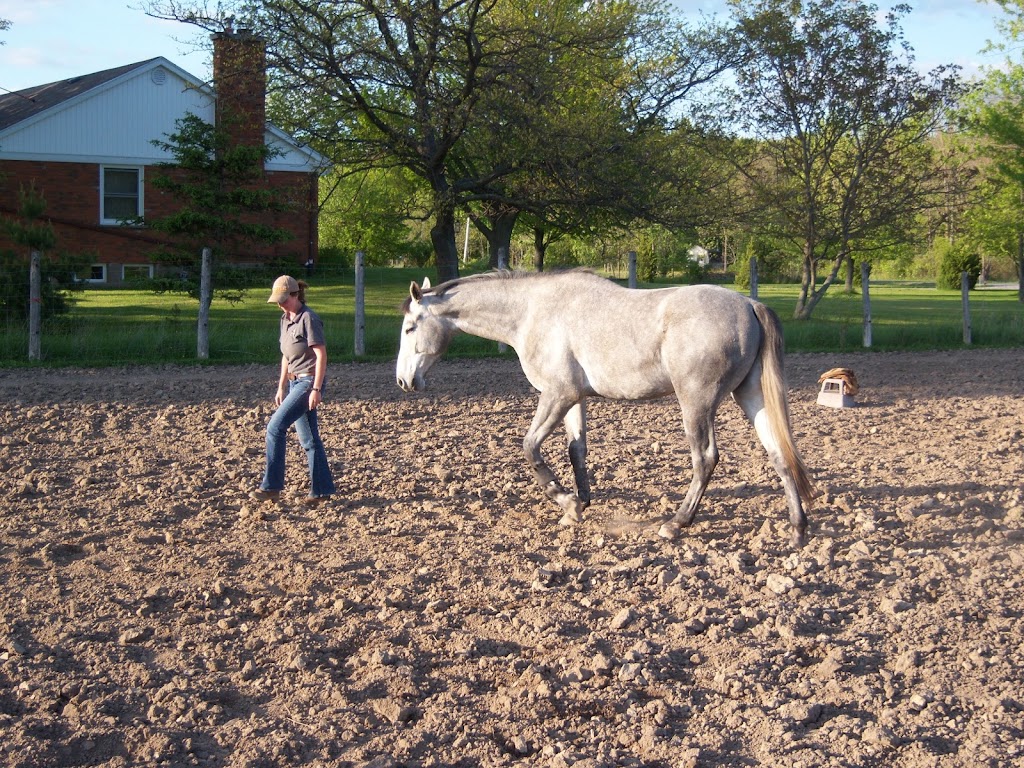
(294, 376)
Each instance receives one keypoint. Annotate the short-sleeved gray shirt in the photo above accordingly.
(297, 336)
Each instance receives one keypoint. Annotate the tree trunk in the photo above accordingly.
(446, 253)
(539, 249)
(807, 280)
(816, 294)
(442, 233)
(499, 236)
(849, 273)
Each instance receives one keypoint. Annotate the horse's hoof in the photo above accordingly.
(669, 530)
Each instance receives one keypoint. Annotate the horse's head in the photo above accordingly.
(425, 338)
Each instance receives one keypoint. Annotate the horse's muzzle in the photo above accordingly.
(412, 385)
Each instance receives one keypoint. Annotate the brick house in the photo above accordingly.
(85, 144)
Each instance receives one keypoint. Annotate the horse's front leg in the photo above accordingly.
(575, 422)
(550, 410)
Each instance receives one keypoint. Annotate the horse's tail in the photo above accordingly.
(773, 388)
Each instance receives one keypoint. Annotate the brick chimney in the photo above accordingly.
(240, 80)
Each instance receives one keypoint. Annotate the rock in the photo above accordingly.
(601, 664)
(876, 734)
(623, 619)
(779, 584)
(695, 626)
(806, 713)
(131, 636)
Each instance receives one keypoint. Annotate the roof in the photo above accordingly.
(76, 119)
(23, 104)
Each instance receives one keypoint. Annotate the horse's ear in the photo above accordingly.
(426, 283)
(414, 291)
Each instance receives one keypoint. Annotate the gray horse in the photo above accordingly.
(579, 335)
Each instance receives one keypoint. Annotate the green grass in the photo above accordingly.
(902, 318)
(128, 327)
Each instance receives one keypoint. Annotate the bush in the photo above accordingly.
(774, 263)
(335, 259)
(54, 291)
(957, 260)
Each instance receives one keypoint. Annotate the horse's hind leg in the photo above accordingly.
(751, 401)
(550, 410)
(576, 428)
(700, 430)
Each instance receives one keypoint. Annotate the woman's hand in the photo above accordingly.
(314, 399)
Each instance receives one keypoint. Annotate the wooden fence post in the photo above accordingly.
(35, 307)
(865, 279)
(753, 279)
(360, 329)
(632, 269)
(502, 265)
(965, 289)
(205, 299)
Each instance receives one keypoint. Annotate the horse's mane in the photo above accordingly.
(497, 274)
(504, 274)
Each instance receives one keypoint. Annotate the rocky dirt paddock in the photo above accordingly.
(437, 615)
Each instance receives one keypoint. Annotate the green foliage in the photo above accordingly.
(55, 290)
(774, 262)
(842, 121)
(368, 212)
(956, 260)
(29, 229)
(222, 202)
(335, 259)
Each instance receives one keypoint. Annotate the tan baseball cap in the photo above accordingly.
(283, 286)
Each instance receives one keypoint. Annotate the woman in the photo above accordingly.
(299, 391)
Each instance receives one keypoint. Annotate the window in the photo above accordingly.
(97, 274)
(136, 272)
(121, 193)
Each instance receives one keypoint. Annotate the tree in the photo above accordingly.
(38, 292)
(590, 136)
(840, 119)
(367, 211)
(995, 114)
(462, 94)
(222, 203)
(993, 226)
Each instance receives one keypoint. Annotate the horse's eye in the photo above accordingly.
(410, 329)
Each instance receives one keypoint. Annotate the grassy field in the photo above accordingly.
(125, 327)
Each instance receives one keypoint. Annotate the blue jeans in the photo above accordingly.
(294, 409)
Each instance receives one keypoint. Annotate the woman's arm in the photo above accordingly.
(315, 397)
(282, 382)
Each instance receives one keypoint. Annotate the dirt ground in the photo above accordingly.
(437, 615)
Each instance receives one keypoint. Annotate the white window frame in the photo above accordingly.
(147, 267)
(95, 280)
(140, 200)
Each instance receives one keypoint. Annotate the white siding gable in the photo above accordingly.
(113, 123)
(116, 122)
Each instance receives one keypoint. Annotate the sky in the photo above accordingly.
(53, 40)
